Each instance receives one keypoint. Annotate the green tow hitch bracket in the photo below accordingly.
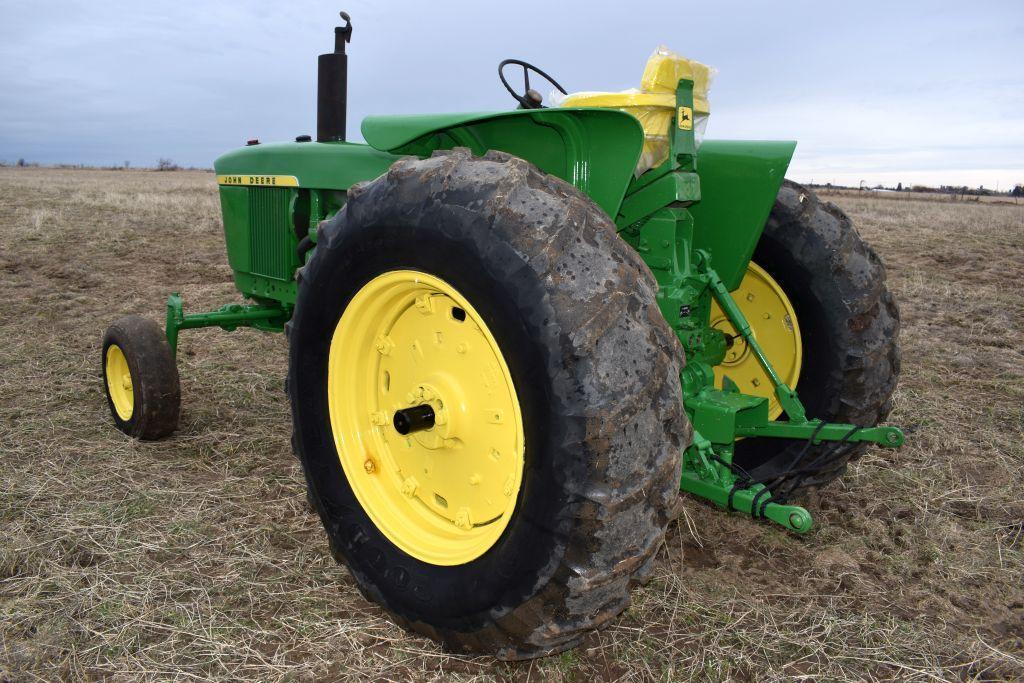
(747, 500)
(705, 475)
(229, 317)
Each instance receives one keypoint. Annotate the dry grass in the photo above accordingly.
(198, 558)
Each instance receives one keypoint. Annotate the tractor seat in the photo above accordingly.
(654, 104)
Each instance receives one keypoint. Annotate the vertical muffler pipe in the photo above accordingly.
(332, 86)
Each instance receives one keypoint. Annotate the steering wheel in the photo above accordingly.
(530, 99)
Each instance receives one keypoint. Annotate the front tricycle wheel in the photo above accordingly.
(140, 378)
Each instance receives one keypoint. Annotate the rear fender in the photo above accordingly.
(594, 149)
(739, 181)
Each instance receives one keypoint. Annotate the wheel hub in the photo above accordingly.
(419, 389)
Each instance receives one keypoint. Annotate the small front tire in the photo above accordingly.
(140, 379)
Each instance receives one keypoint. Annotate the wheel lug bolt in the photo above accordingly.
(384, 345)
(409, 487)
(425, 304)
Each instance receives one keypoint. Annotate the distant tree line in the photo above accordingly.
(161, 165)
(953, 190)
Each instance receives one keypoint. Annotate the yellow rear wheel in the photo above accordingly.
(848, 324)
(775, 327)
(444, 493)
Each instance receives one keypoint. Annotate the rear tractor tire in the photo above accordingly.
(141, 379)
(848, 324)
(486, 403)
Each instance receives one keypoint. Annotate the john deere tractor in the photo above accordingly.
(515, 336)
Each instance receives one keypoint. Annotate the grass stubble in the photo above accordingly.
(198, 557)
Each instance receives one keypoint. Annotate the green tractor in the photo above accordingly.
(515, 336)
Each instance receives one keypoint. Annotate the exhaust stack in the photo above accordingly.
(332, 86)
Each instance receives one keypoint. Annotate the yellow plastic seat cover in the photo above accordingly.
(654, 104)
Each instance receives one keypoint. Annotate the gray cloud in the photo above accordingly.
(879, 87)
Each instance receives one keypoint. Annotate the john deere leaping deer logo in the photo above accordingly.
(685, 118)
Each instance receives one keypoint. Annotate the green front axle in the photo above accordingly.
(270, 318)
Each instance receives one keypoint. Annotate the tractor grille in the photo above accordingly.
(270, 235)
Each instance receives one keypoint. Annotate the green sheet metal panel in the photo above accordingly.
(594, 149)
(739, 181)
(319, 165)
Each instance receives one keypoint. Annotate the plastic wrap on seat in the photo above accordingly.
(653, 105)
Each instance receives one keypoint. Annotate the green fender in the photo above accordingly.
(594, 149)
(739, 181)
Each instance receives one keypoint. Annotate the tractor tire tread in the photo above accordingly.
(850, 282)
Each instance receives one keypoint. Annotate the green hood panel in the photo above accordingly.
(319, 165)
(594, 149)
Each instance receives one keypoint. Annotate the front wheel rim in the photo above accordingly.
(119, 383)
(446, 492)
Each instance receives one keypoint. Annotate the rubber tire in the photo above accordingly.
(849, 324)
(595, 366)
(155, 383)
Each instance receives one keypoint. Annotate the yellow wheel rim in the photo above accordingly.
(443, 495)
(775, 327)
(119, 383)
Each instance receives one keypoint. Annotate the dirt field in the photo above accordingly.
(197, 557)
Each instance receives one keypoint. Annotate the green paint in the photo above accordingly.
(229, 317)
(594, 149)
(319, 165)
(739, 181)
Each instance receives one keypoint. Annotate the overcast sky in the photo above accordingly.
(928, 92)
